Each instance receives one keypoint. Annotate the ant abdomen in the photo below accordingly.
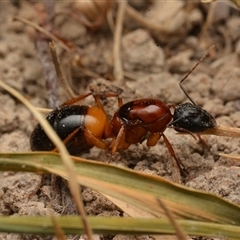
(80, 127)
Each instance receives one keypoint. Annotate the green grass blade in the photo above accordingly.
(135, 188)
(103, 225)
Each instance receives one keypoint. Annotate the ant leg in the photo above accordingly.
(96, 97)
(203, 142)
(74, 100)
(183, 130)
(171, 150)
(99, 143)
(118, 141)
(106, 95)
(69, 137)
(89, 136)
(153, 139)
(120, 102)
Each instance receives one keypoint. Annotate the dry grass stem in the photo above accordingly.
(43, 31)
(236, 2)
(58, 231)
(117, 67)
(44, 110)
(220, 131)
(62, 79)
(224, 132)
(179, 232)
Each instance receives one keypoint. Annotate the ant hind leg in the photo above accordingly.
(76, 99)
(95, 141)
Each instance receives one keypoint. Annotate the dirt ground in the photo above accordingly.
(153, 66)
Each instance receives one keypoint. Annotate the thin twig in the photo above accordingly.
(43, 31)
(61, 78)
(117, 68)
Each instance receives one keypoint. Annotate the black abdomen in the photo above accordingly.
(64, 121)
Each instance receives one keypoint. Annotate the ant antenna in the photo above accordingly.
(229, 78)
(186, 76)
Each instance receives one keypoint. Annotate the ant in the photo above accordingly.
(82, 127)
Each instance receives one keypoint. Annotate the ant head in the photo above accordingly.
(192, 118)
(189, 117)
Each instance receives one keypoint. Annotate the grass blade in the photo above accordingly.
(138, 189)
(113, 225)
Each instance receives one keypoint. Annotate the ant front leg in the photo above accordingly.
(183, 130)
(152, 141)
(172, 152)
(202, 142)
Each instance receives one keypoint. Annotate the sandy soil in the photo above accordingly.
(155, 63)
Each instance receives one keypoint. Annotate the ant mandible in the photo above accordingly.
(82, 127)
